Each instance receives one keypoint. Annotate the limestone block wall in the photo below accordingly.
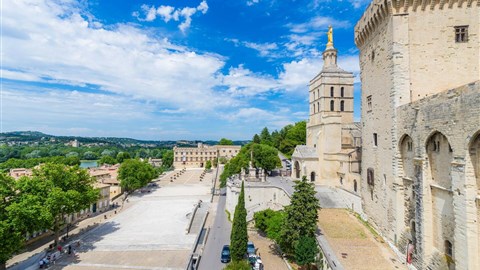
(376, 63)
(443, 129)
(437, 61)
(408, 51)
(257, 198)
(320, 95)
(306, 167)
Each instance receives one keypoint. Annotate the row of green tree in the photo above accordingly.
(32, 162)
(284, 140)
(41, 202)
(53, 192)
(82, 152)
(262, 152)
(261, 156)
(107, 157)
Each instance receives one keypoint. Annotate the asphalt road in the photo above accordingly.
(282, 157)
(219, 235)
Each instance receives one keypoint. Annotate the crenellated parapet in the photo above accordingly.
(380, 10)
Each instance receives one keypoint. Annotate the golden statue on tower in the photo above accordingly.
(330, 37)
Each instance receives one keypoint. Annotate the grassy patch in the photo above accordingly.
(350, 229)
(369, 227)
(228, 216)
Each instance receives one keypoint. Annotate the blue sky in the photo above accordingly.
(167, 70)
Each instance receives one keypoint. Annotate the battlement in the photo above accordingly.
(379, 10)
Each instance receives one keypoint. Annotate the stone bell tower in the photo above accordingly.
(331, 91)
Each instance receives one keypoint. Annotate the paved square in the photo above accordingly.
(150, 234)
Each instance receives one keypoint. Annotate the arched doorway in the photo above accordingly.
(474, 151)
(312, 176)
(440, 157)
(406, 162)
(297, 170)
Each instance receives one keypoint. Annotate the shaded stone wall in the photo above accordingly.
(257, 198)
(376, 63)
(409, 57)
(446, 200)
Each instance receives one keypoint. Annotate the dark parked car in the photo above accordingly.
(225, 257)
(250, 248)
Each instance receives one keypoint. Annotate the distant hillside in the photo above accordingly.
(35, 136)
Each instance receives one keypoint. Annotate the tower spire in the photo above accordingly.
(330, 53)
(330, 37)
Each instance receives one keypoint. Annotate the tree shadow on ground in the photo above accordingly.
(84, 243)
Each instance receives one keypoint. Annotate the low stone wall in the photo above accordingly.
(257, 197)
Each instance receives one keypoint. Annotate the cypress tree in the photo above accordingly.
(301, 216)
(239, 236)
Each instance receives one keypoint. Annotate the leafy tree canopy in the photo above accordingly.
(89, 155)
(121, 156)
(208, 165)
(11, 234)
(270, 222)
(265, 137)
(265, 157)
(107, 160)
(72, 154)
(167, 158)
(238, 265)
(142, 153)
(108, 152)
(53, 192)
(306, 250)
(30, 163)
(256, 138)
(135, 174)
(224, 141)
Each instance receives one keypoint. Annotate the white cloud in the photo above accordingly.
(252, 2)
(303, 39)
(21, 76)
(359, 3)
(243, 82)
(33, 110)
(137, 74)
(203, 7)
(275, 119)
(317, 23)
(54, 43)
(350, 63)
(264, 49)
(167, 13)
(297, 74)
(151, 13)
